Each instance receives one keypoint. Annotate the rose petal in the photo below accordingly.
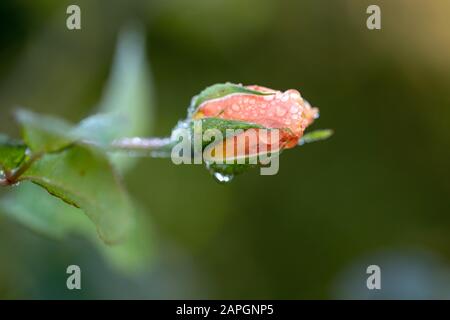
(282, 110)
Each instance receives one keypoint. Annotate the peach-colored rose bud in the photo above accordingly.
(269, 108)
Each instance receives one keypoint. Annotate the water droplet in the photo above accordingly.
(222, 178)
(294, 109)
(229, 112)
(281, 111)
(295, 95)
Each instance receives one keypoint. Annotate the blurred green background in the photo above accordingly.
(377, 192)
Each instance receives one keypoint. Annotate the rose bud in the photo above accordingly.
(242, 126)
(231, 106)
(272, 109)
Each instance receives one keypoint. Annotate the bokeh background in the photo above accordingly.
(377, 192)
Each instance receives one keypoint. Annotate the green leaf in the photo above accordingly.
(99, 129)
(44, 133)
(47, 133)
(125, 108)
(79, 174)
(135, 253)
(12, 153)
(128, 95)
(83, 177)
(218, 91)
(316, 135)
(31, 206)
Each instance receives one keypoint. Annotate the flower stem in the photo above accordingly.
(156, 147)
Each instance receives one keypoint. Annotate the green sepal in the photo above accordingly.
(222, 125)
(316, 135)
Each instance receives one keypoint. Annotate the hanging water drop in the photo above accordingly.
(222, 178)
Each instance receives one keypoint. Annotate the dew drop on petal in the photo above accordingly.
(281, 111)
(229, 112)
